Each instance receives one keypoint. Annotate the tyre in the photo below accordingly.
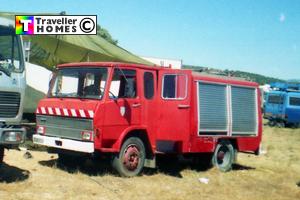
(280, 124)
(1, 155)
(272, 123)
(131, 158)
(224, 156)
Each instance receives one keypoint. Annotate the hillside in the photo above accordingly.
(246, 75)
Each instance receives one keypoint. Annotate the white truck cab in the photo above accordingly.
(12, 86)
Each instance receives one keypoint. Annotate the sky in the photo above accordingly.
(258, 36)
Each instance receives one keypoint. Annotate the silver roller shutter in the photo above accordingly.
(244, 108)
(212, 108)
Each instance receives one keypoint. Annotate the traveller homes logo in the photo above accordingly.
(56, 25)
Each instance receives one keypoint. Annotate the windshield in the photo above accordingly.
(79, 82)
(275, 99)
(10, 54)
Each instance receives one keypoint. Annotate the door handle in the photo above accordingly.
(183, 106)
(135, 105)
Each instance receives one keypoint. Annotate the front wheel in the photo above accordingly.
(224, 156)
(130, 160)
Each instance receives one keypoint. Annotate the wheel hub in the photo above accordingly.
(131, 157)
(223, 156)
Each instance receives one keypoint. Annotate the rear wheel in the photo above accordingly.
(297, 125)
(224, 156)
(272, 122)
(1, 155)
(131, 158)
(280, 124)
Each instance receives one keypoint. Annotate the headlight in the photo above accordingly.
(12, 136)
(41, 130)
(87, 135)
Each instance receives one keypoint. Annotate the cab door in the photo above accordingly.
(123, 105)
(174, 106)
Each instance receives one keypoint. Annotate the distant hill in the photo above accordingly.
(294, 80)
(246, 75)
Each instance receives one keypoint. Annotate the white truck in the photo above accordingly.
(12, 86)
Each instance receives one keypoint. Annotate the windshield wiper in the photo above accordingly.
(5, 71)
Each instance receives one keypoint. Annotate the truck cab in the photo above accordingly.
(275, 105)
(12, 86)
(134, 112)
(282, 106)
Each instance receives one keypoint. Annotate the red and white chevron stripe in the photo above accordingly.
(65, 112)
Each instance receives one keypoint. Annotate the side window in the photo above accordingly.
(123, 84)
(174, 86)
(294, 101)
(148, 85)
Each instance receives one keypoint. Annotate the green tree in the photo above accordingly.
(102, 32)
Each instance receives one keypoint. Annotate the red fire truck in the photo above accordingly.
(135, 112)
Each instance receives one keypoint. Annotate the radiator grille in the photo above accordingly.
(9, 104)
(64, 127)
(244, 120)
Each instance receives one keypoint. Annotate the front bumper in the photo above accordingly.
(68, 144)
(11, 135)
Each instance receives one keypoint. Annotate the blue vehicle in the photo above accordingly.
(282, 106)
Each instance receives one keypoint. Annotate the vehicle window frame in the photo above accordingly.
(16, 42)
(144, 84)
(297, 105)
(121, 70)
(281, 102)
(186, 86)
(53, 83)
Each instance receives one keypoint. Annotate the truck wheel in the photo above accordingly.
(280, 124)
(224, 156)
(271, 123)
(1, 155)
(130, 160)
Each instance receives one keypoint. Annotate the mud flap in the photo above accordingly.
(150, 163)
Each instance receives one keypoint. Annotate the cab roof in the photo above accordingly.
(197, 76)
(108, 64)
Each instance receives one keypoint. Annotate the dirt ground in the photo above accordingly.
(274, 175)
